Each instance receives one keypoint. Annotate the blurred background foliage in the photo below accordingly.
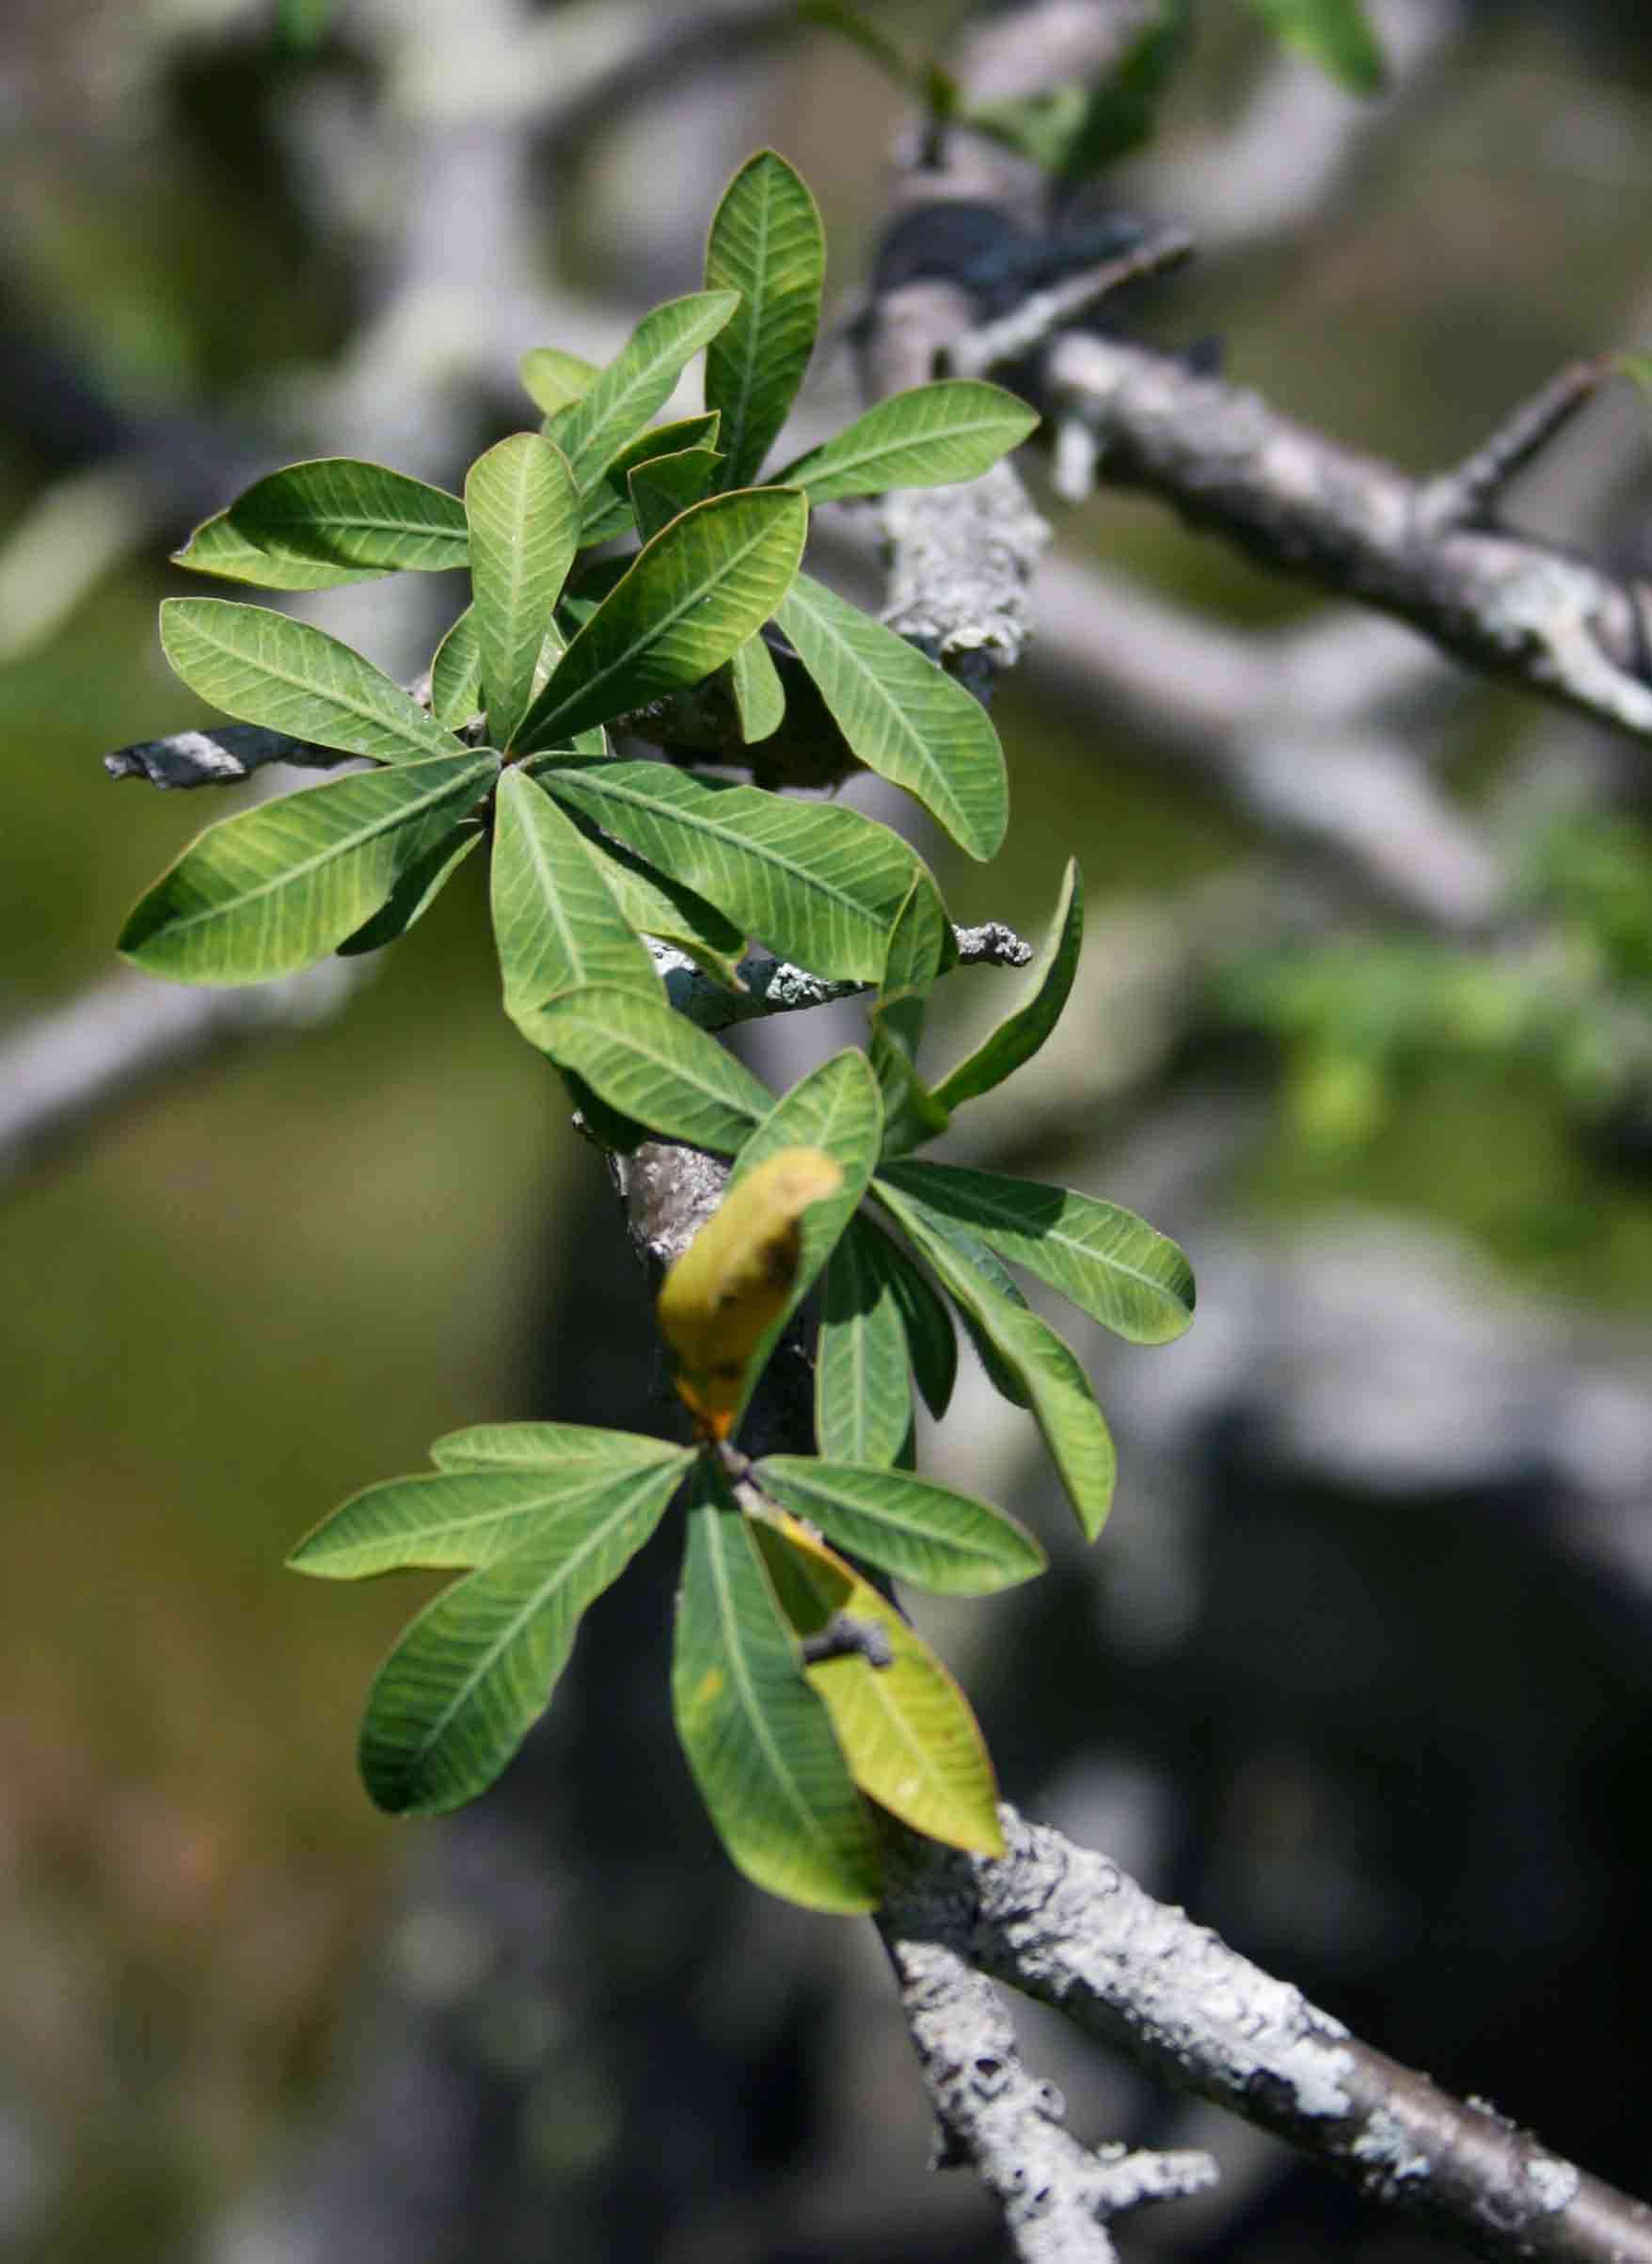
(239, 231)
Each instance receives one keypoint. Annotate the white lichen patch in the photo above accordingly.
(1385, 2145)
(1556, 2183)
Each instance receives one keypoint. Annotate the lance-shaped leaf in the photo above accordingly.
(416, 891)
(862, 1377)
(1108, 1262)
(1019, 1036)
(1335, 34)
(276, 888)
(819, 884)
(621, 398)
(314, 526)
(902, 716)
(666, 485)
(546, 1446)
(455, 673)
(759, 696)
(460, 1518)
(925, 437)
(835, 1108)
(758, 1739)
(651, 1064)
(556, 925)
(693, 597)
(905, 1727)
(474, 1671)
(1001, 1374)
(928, 1533)
(766, 243)
(1055, 1386)
(656, 904)
(608, 509)
(721, 1296)
(930, 1338)
(523, 511)
(917, 945)
(554, 380)
(266, 669)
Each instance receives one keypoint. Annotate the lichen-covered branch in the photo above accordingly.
(995, 2116)
(1065, 1925)
(1516, 608)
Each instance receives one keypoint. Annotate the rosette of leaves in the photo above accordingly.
(800, 1691)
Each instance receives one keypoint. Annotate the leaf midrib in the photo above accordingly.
(702, 822)
(289, 873)
(735, 1653)
(872, 452)
(566, 1498)
(1015, 1229)
(539, 1601)
(337, 699)
(940, 787)
(660, 623)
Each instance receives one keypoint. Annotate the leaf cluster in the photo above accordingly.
(799, 1687)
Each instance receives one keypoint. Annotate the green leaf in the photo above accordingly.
(931, 1535)
(835, 1108)
(695, 594)
(905, 1727)
(548, 1447)
(758, 1739)
(926, 436)
(556, 925)
(1019, 1036)
(902, 716)
(665, 487)
(1001, 1374)
(554, 380)
(474, 1671)
(1108, 1262)
(523, 510)
(651, 1064)
(917, 945)
(455, 673)
(466, 1516)
(766, 243)
(621, 399)
(1057, 1387)
(1638, 368)
(759, 696)
(930, 1338)
(276, 888)
(333, 520)
(818, 882)
(415, 892)
(1335, 34)
(608, 508)
(863, 1380)
(266, 669)
(654, 904)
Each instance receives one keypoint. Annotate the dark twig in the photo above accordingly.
(1038, 318)
(1465, 496)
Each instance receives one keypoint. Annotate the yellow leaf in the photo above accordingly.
(735, 1276)
(906, 1728)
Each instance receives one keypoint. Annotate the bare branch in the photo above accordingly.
(1065, 1925)
(222, 756)
(1509, 605)
(1460, 498)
